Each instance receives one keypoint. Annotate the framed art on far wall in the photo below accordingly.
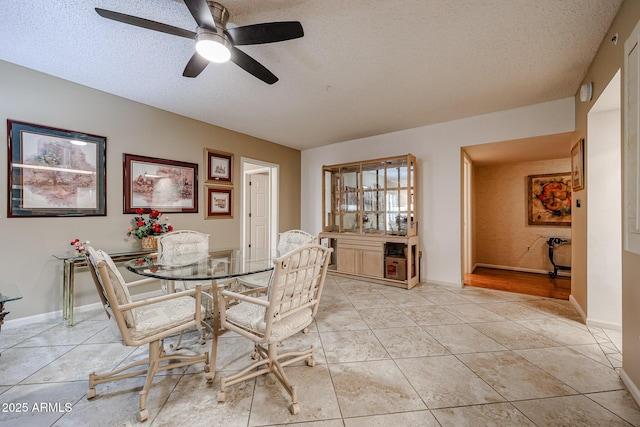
(577, 165)
(158, 184)
(549, 201)
(219, 202)
(219, 166)
(55, 172)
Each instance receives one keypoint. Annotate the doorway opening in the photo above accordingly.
(603, 183)
(260, 203)
(500, 249)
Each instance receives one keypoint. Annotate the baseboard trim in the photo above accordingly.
(604, 325)
(448, 284)
(521, 269)
(55, 316)
(633, 389)
(579, 309)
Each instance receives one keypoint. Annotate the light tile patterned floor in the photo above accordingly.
(430, 356)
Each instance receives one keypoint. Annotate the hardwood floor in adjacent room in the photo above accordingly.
(515, 281)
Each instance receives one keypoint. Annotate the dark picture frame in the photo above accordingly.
(219, 166)
(577, 165)
(55, 172)
(219, 202)
(151, 183)
(549, 199)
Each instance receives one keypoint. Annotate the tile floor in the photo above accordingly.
(431, 356)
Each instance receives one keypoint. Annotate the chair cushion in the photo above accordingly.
(155, 318)
(258, 280)
(183, 247)
(251, 316)
(119, 287)
(290, 240)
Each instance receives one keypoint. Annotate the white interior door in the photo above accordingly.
(259, 210)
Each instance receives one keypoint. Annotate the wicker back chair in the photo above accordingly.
(144, 322)
(287, 241)
(289, 307)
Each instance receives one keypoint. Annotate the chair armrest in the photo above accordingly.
(193, 292)
(141, 282)
(243, 297)
(254, 291)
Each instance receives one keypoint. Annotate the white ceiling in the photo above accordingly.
(363, 67)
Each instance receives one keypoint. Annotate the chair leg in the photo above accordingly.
(154, 361)
(176, 346)
(157, 361)
(274, 364)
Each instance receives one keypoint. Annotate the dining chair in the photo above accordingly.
(287, 241)
(289, 306)
(180, 248)
(149, 321)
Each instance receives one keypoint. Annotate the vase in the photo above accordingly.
(149, 243)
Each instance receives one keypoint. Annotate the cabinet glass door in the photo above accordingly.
(397, 197)
(373, 198)
(350, 199)
(331, 200)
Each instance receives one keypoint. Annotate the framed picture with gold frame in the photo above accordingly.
(219, 202)
(577, 165)
(549, 199)
(219, 166)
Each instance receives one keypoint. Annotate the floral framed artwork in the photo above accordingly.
(219, 202)
(55, 172)
(549, 201)
(158, 184)
(219, 166)
(577, 165)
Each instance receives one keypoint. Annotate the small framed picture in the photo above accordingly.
(219, 202)
(577, 165)
(219, 166)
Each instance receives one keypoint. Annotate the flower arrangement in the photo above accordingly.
(79, 246)
(151, 226)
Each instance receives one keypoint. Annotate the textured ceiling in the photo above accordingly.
(363, 67)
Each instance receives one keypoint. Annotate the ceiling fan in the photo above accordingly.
(214, 41)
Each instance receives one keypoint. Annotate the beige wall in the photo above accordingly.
(608, 60)
(503, 237)
(27, 244)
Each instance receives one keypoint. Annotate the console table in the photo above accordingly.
(71, 262)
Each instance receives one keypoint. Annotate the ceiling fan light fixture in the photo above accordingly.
(213, 46)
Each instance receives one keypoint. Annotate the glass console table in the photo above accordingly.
(71, 262)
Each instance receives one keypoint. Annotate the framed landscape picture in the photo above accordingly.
(549, 199)
(158, 184)
(219, 202)
(55, 172)
(219, 166)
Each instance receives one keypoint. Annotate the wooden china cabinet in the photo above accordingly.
(370, 219)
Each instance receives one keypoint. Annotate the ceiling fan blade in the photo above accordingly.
(201, 13)
(252, 66)
(145, 23)
(195, 66)
(268, 32)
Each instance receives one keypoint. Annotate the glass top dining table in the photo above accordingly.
(220, 267)
(214, 265)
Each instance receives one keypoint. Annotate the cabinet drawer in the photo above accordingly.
(361, 245)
